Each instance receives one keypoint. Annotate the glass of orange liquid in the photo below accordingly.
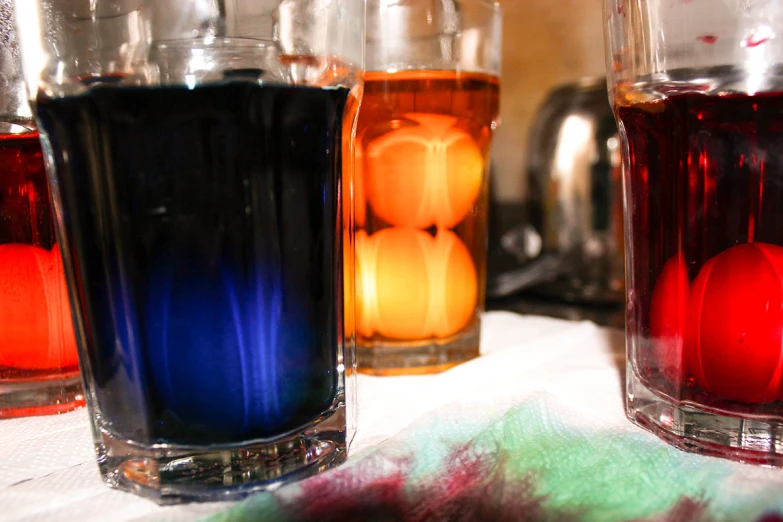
(39, 369)
(425, 128)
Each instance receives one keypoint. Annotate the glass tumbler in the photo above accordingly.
(422, 161)
(697, 89)
(198, 154)
(39, 372)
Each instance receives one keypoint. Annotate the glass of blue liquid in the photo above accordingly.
(200, 159)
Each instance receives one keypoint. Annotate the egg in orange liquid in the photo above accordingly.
(425, 173)
(411, 285)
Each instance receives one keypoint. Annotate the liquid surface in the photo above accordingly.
(204, 233)
(36, 335)
(422, 158)
(705, 196)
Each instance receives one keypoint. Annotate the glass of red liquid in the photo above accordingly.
(39, 370)
(697, 89)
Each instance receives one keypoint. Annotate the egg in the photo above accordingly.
(424, 173)
(36, 330)
(668, 312)
(411, 285)
(735, 326)
(61, 327)
(349, 284)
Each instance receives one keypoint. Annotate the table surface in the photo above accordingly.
(533, 429)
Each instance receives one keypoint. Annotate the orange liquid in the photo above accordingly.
(420, 190)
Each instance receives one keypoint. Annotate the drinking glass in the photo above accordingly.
(422, 161)
(39, 372)
(196, 154)
(697, 89)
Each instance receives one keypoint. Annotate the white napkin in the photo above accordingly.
(47, 464)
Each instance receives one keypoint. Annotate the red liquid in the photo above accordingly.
(704, 179)
(36, 332)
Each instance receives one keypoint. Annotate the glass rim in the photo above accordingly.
(493, 5)
(424, 69)
(243, 42)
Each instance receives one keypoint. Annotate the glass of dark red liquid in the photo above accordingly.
(697, 89)
(199, 155)
(39, 370)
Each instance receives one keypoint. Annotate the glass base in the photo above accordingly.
(390, 358)
(171, 474)
(752, 439)
(22, 398)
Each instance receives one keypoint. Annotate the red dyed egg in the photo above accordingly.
(62, 339)
(668, 311)
(735, 325)
(24, 328)
(36, 331)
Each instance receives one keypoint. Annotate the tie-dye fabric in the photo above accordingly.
(532, 430)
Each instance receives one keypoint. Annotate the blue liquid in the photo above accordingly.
(205, 245)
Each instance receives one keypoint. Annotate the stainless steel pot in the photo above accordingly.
(571, 245)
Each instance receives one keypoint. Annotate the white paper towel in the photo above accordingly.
(47, 464)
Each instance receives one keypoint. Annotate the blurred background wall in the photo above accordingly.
(545, 43)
